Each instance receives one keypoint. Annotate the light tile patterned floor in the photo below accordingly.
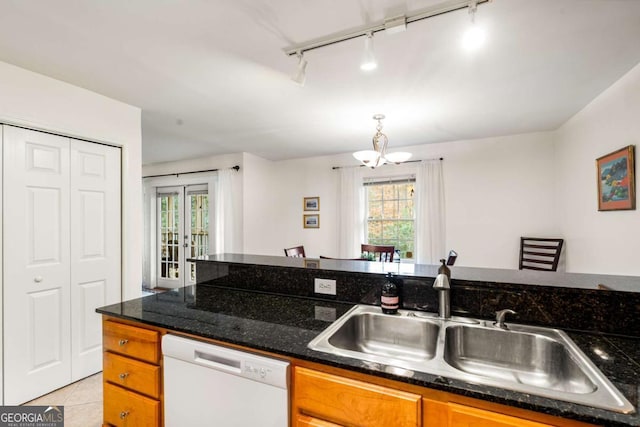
(82, 402)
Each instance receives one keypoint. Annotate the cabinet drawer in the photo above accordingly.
(132, 374)
(123, 408)
(135, 342)
(350, 402)
(454, 415)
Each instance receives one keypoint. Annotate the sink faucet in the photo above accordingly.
(500, 316)
(441, 284)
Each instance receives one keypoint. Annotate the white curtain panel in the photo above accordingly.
(227, 225)
(351, 212)
(430, 212)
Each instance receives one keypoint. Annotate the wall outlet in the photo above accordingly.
(324, 286)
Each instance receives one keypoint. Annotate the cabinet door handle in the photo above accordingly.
(37, 279)
(123, 342)
(124, 414)
(124, 375)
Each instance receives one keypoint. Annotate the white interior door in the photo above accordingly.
(182, 232)
(36, 272)
(95, 249)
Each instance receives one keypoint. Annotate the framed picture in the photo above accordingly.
(616, 180)
(311, 203)
(311, 221)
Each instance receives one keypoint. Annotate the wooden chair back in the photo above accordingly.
(539, 253)
(296, 252)
(383, 253)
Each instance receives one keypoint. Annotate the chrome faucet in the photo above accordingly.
(500, 316)
(441, 284)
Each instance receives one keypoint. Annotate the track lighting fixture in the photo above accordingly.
(379, 156)
(301, 72)
(474, 37)
(368, 59)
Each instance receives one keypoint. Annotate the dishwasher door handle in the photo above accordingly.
(215, 361)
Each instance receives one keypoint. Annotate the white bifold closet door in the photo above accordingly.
(61, 220)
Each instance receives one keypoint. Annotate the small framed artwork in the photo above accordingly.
(616, 180)
(311, 221)
(311, 203)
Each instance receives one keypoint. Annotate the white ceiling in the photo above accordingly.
(211, 76)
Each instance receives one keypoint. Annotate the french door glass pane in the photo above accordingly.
(199, 204)
(169, 230)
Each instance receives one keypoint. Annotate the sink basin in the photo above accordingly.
(397, 337)
(533, 360)
(366, 333)
(518, 357)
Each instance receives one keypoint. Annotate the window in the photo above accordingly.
(390, 215)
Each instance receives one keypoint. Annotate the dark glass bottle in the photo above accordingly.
(390, 299)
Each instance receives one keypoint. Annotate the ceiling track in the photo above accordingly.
(409, 18)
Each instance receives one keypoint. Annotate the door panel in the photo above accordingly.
(95, 249)
(45, 317)
(36, 264)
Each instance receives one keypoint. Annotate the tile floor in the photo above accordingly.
(82, 402)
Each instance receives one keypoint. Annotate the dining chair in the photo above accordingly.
(296, 252)
(383, 253)
(540, 254)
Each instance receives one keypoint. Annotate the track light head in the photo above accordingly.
(369, 62)
(300, 75)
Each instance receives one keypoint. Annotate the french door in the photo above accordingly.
(182, 232)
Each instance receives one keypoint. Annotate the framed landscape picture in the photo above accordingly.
(616, 180)
(311, 221)
(311, 203)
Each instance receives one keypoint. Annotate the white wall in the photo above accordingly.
(496, 189)
(39, 102)
(598, 242)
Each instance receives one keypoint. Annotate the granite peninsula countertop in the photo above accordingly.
(284, 325)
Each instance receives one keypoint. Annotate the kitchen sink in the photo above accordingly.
(518, 357)
(528, 359)
(404, 338)
(370, 335)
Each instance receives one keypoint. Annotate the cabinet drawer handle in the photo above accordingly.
(123, 342)
(124, 414)
(123, 375)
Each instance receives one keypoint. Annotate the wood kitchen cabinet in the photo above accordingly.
(132, 375)
(323, 400)
(320, 395)
(329, 397)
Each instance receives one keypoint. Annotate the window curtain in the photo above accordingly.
(430, 213)
(351, 212)
(227, 225)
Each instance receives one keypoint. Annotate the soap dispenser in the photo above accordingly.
(390, 299)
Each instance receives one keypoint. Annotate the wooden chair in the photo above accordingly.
(296, 252)
(383, 253)
(539, 253)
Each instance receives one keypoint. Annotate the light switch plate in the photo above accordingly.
(324, 286)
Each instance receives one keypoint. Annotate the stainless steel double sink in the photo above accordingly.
(528, 359)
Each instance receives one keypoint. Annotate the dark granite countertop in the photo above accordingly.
(284, 325)
(528, 277)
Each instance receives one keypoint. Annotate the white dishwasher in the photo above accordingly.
(210, 385)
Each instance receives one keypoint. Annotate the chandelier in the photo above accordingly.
(379, 156)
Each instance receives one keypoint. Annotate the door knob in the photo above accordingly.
(37, 279)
